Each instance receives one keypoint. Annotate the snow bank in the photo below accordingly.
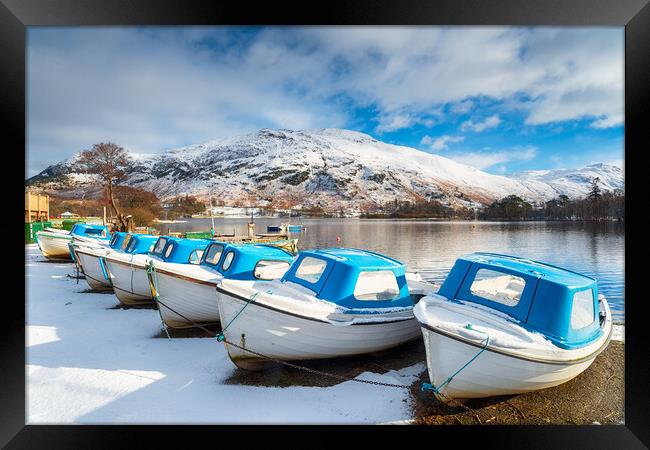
(90, 363)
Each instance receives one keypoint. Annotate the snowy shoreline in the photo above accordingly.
(90, 362)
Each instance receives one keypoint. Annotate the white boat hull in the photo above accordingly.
(90, 264)
(281, 335)
(499, 369)
(491, 373)
(129, 281)
(195, 300)
(54, 245)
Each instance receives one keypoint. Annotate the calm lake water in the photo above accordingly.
(430, 248)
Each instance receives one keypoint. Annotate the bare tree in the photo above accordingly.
(110, 162)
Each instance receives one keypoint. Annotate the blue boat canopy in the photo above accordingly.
(94, 231)
(117, 239)
(179, 250)
(240, 261)
(355, 279)
(136, 244)
(558, 303)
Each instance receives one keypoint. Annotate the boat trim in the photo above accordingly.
(132, 293)
(244, 299)
(55, 236)
(78, 250)
(184, 277)
(502, 352)
(128, 264)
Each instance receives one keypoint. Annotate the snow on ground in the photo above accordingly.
(90, 363)
(618, 333)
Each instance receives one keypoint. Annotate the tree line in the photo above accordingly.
(596, 205)
(111, 163)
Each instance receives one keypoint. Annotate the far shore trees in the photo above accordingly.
(143, 206)
(110, 162)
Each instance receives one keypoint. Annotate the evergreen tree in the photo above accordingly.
(594, 192)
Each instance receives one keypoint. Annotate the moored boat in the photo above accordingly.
(54, 244)
(505, 325)
(185, 283)
(330, 303)
(127, 269)
(91, 261)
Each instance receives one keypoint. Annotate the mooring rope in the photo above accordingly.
(221, 338)
(436, 390)
(153, 285)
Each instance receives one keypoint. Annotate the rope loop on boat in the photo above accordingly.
(436, 390)
(153, 278)
(153, 285)
(220, 337)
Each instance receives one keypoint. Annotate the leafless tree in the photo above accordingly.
(110, 162)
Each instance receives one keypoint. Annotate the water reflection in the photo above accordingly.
(594, 248)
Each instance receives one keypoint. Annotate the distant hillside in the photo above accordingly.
(329, 168)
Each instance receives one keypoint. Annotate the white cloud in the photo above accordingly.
(462, 107)
(392, 122)
(608, 121)
(485, 160)
(488, 123)
(154, 88)
(440, 143)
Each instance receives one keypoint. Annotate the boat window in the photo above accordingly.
(311, 269)
(126, 241)
(270, 270)
(159, 246)
(376, 285)
(213, 254)
(170, 247)
(195, 256)
(131, 246)
(498, 286)
(113, 240)
(582, 312)
(227, 261)
(94, 232)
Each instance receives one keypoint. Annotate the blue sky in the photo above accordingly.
(503, 99)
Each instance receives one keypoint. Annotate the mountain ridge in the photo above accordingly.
(330, 168)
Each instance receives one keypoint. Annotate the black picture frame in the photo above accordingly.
(16, 15)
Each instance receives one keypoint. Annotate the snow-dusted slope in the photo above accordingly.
(572, 182)
(331, 168)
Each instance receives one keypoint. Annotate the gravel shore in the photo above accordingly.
(594, 397)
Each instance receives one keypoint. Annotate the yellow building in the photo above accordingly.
(37, 207)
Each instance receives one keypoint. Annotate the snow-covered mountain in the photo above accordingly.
(572, 182)
(331, 168)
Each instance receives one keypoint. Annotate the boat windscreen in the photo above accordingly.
(376, 285)
(311, 269)
(498, 286)
(160, 245)
(213, 254)
(125, 243)
(94, 231)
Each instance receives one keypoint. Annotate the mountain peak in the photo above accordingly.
(330, 168)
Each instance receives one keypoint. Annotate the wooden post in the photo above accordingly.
(28, 215)
(104, 220)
